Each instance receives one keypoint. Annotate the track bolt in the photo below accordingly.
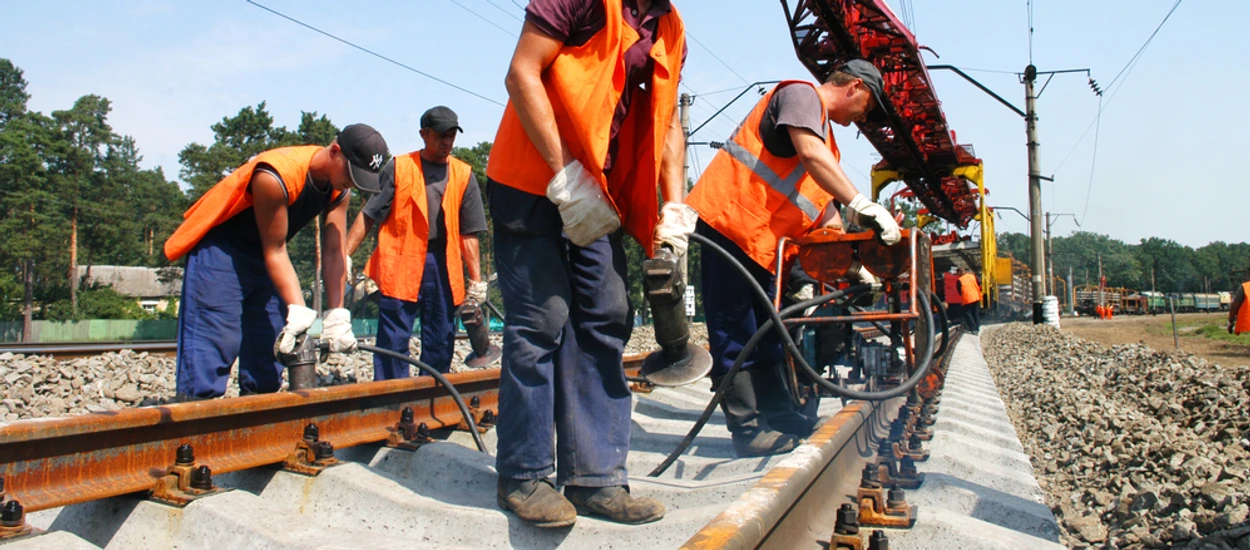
(886, 448)
(312, 433)
(488, 417)
(868, 479)
(878, 541)
(185, 455)
(891, 467)
(323, 450)
(848, 520)
(423, 432)
(914, 444)
(897, 429)
(475, 403)
(907, 467)
(202, 478)
(406, 416)
(895, 498)
(12, 515)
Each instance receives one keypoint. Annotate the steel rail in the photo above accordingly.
(78, 349)
(47, 463)
(805, 488)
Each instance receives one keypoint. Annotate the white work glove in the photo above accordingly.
(298, 320)
(868, 214)
(336, 329)
(347, 269)
(585, 211)
(477, 291)
(677, 222)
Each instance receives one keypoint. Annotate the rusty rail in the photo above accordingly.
(47, 463)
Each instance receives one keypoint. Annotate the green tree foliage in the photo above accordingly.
(98, 303)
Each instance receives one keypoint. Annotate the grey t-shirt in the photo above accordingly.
(796, 105)
(472, 215)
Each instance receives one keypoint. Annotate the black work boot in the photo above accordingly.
(778, 407)
(536, 501)
(614, 503)
(751, 433)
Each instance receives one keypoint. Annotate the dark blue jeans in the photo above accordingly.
(437, 309)
(564, 404)
(229, 310)
(732, 309)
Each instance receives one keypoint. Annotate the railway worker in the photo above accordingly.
(578, 155)
(970, 292)
(1239, 310)
(239, 276)
(778, 176)
(429, 213)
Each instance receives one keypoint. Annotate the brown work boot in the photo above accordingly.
(536, 501)
(614, 503)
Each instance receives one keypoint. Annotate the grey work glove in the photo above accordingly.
(298, 321)
(477, 291)
(586, 213)
(677, 222)
(865, 213)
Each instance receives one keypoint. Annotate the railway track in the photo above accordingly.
(394, 444)
(68, 350)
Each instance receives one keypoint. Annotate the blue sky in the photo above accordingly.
(172, 69)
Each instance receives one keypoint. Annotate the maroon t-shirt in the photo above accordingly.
(574, 22)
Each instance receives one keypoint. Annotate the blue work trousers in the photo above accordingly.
(564, 403)
(733, 311)
(229, 310)
(436, 306)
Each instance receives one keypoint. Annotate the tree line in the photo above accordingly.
(1153, 264)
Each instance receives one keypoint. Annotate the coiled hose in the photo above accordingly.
(438, 377)
(775, 323)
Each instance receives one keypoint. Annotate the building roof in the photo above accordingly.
(135, 281)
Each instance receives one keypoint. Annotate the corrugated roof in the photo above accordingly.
(136, 281)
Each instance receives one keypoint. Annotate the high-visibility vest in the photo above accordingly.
(231, 196)
(403, 238)
(584, 84)
(753, 197)
(969, 288)
(1243, 313)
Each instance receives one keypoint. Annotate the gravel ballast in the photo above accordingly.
(1135, 448)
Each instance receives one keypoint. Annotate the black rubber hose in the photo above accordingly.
(945, 323)
(925, 359)
(733, 370)
(438, 376)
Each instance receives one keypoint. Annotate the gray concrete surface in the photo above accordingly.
(979, 490)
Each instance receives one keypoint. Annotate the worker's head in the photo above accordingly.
(857, 90)
(356, 157)
(439, 127)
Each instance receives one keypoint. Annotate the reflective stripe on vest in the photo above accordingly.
(584, 88)
(231, 196)
(1243, 313)
(744, 196)
(398, 262)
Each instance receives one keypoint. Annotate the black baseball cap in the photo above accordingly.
(441, 120)
(366, 152)
(867, 72)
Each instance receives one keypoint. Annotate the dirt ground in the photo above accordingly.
(1156, 332)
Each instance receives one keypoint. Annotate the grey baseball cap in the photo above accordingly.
(867, 72)
(441, 120)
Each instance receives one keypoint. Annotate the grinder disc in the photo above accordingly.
(694, 364)
(475, 361)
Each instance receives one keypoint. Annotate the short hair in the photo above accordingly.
(839, 78)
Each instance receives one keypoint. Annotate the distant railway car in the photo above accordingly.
(1206, 302)
(1136, 304)
(1156, 302)
(1226, 300)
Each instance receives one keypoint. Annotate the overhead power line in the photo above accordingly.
(1119, 84)
(500, 8)
(483, 18)
(373, 53)
(716, 57)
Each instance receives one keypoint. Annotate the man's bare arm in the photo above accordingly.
(672, 161)
(334, 256)
(815, 155)
(360, 228)
(470, 250)
(535, 51)
(269, 204)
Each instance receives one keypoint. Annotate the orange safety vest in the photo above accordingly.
(1243, 313)
(231, 195)
(403, 238)
(584, 84)
(969, 288)
(754, 198)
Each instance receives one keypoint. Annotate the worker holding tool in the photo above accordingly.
(777, 176)
(589, 134)
(239, 276)
(1238, 310)
(429, 212)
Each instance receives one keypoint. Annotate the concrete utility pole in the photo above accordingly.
(1050, 249)
(1071, 294)
(684, 103)
(1035, 192)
